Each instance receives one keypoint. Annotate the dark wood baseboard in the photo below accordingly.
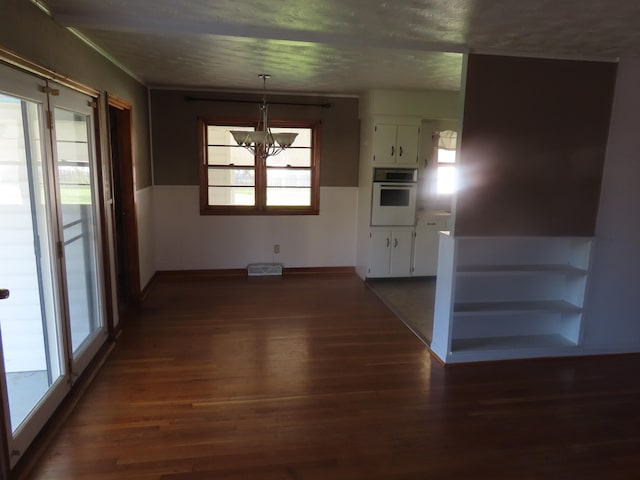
(147, 288)
(318, 270)
(231, 272)
(241, 272)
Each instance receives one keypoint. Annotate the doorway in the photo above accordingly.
(123, 208)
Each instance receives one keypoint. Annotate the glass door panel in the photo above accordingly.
(51, 323)
(29, 320)
(75, 169)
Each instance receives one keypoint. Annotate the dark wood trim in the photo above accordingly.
(231, 272)
(260, 170)
(147, 288)
(202, 159)
(241, 272)
(317, 270)
(118, 103)
(127, 202)
(435, 357)
(22, 63)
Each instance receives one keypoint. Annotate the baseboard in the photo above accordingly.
(147, 288)
(230, 272)
(318, 270)
(241, 272)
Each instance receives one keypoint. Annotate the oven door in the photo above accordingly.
(393, 204)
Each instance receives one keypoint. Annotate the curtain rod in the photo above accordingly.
(295, 104)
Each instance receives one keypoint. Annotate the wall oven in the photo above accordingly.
(394, 196)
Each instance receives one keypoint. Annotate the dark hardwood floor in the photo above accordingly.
(313, 378)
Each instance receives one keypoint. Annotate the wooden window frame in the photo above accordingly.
(260, 169)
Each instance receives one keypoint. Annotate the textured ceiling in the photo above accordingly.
(341, 46)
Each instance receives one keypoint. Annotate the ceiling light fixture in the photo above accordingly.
(262, 142)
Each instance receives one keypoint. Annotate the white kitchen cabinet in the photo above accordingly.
(509, 297)
(396, 144)
(390, 252)
(425, 248)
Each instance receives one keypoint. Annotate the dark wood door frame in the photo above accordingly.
(123, 204)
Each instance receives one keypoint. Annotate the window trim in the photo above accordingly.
(260, 208)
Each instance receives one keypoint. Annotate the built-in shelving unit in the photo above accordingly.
(509, 297)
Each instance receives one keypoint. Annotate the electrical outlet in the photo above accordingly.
(276, 248)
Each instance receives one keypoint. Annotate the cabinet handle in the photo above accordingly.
(4, 293)
(393, 150)
(400, 150)
(395, 243)
(387, 242)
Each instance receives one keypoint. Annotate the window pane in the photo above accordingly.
(446, 156)
(75, 184)
(286, 177)
(294, 157)
(72, 152)
(230, 156)
(229, 196)
(220, 134)
(446, 179)
(70, 127)
(302, 140)
(231, 176)
(288, 197)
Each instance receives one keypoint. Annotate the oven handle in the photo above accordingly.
(399, 185)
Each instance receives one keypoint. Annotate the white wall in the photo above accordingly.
(185, 240)
(612, 315)
(427, 104)
(146, 244)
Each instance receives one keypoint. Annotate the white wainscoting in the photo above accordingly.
(146, 244)
(186, 240)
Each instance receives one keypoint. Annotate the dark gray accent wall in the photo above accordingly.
(175, 131)
(30, 33)
(533, 144)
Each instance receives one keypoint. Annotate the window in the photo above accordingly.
(234, 181)
(446, 159)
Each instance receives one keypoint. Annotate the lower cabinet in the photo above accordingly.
(509, 297)
(425, 250)
(390, 252)
(406, 251)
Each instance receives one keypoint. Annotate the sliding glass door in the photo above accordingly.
(51, 323)
(75, 172)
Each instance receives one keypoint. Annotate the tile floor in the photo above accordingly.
(411, 299)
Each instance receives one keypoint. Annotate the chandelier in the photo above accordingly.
(262, 142)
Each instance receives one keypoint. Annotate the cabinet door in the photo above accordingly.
(401, 242)
(384, 144)
(408, 137)
(425, 251)
(379, 251)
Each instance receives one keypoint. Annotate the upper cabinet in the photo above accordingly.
(396, 144)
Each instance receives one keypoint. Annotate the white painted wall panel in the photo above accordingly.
(185, 240)
(612, 315)
(145, 221)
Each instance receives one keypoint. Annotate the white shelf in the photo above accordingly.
(519, 269)
(549, 341)
(547, 306)
(509, 297)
